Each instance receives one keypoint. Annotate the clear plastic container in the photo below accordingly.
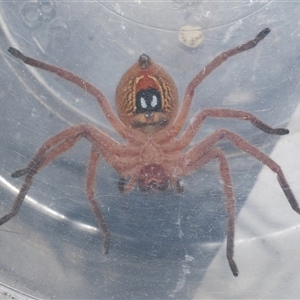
(163, 245)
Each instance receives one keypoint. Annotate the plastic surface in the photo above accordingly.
(163, 245)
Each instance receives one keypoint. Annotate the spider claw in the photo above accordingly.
(267, 129)
(281, 131)
(233, 267)
(263, 33)
(16, 53)
(19, 173)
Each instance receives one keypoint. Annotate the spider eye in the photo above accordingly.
(148, 100)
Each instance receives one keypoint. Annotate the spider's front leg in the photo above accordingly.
(89, 88)
(177, 125)
(90, 192)
(102, 145)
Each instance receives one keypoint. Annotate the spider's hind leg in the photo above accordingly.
(90, 192)
(197, 159)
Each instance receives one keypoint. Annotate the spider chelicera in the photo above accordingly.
(149, 121)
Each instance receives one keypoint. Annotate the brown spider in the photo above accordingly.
(149, 121)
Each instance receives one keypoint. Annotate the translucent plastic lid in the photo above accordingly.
(163, 245)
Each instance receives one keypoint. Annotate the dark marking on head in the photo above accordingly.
(148, 100)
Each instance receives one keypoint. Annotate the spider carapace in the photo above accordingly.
(150, 120)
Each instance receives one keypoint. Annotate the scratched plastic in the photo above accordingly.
(163, 245)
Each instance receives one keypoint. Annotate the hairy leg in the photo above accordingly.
(38, 161)
(90, 192)
(196, 161)
(63, 141)
(54, 147)
(193, 128)
(89, 88)
(178, 123)
(206, 144)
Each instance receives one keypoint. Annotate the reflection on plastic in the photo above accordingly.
(162, 245)
(46, 210)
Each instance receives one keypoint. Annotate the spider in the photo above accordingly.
(152, 157)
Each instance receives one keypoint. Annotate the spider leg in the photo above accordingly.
(201, 153)
(127, 186)
(54, 147)
(89, 88)
(192, 129)
(19, 199)
(266, 160)
(37, 163)
(62, 142)
(59, 143)
(178, 123)
(90, 191)
(195, 162)
(239, 142)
